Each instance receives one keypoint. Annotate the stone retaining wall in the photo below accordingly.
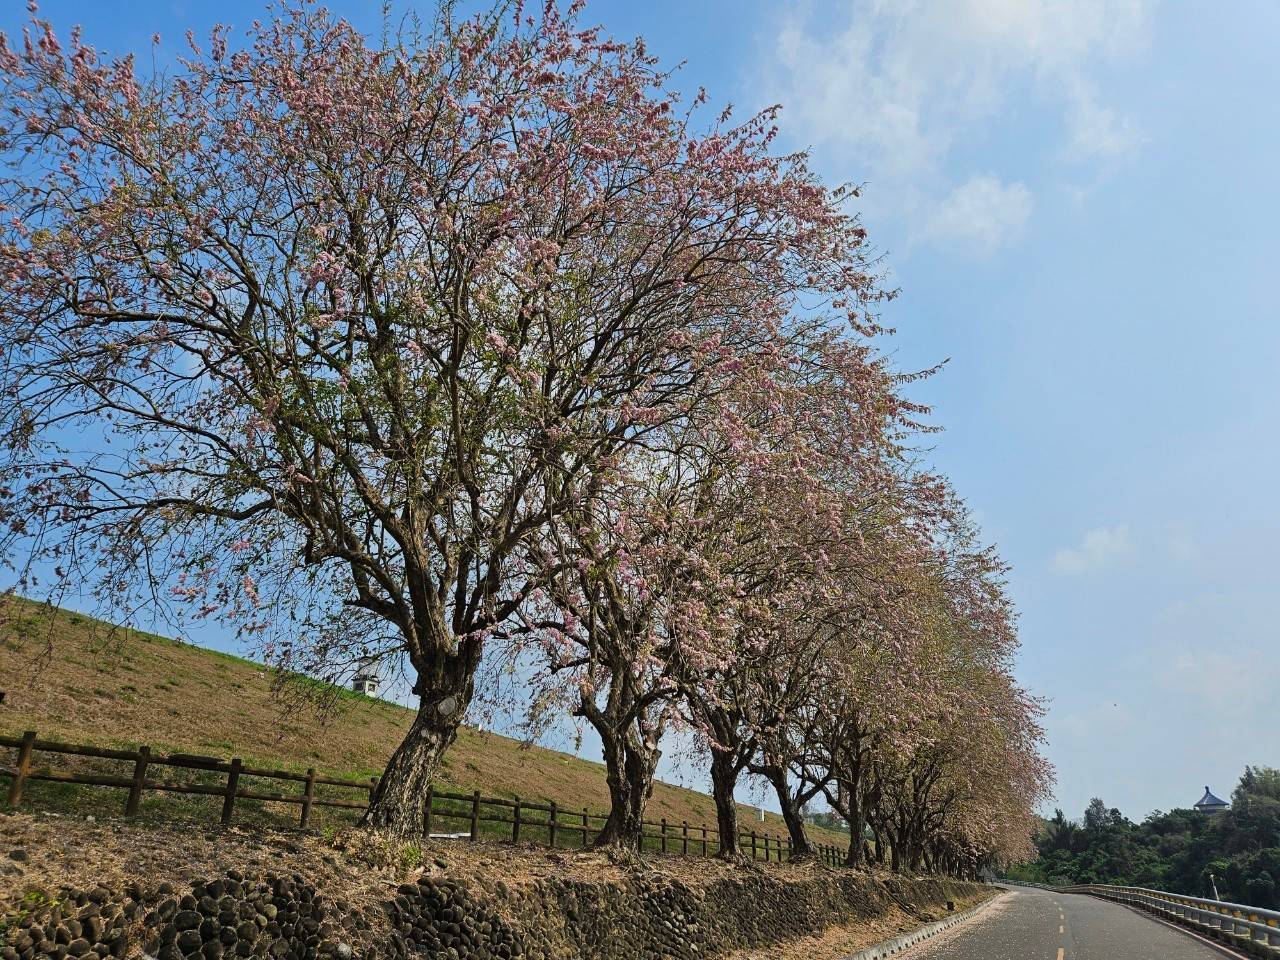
(283, 917)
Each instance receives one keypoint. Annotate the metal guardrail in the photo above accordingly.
(1250, 927)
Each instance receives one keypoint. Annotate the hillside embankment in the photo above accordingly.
(72, 887)
(81, 680)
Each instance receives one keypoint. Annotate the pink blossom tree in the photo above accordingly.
(955, 783)
(315, 334)
(799, 542)
(865, 706)
(607, 627)
(676, 589)
(851, 633)
(964, 795)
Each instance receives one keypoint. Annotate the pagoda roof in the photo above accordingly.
(1209, 800)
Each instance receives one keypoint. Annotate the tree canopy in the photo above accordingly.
(474, 345)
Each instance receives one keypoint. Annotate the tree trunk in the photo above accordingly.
(399, 800)
(630, 764)
(857, 826)
(724, 778)
(800, 846)
(915, 853)
(444, 687)
(856, 855)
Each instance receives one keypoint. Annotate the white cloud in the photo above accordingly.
(896, 85)
(1099, 548)
(982, 214)
(1097, 132)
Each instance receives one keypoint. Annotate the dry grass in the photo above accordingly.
(73, 678)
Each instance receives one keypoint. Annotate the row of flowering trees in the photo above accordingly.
(473, 346)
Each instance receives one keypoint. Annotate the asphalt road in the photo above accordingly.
(1038, 925)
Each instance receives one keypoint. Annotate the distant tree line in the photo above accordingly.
(1176, 851)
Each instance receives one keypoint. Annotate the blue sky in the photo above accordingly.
(1079, 202)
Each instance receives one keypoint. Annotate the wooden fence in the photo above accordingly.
(524, 821)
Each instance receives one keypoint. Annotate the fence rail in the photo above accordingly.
(524, 820)
(1235, 922)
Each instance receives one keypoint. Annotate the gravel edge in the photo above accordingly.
(899, 943)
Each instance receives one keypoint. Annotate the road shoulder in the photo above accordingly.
(931, 933)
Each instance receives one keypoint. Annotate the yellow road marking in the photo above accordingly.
(1059, 953)
(1062, 929)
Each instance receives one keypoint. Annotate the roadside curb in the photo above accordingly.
(889, 947)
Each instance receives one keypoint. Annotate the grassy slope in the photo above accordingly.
(79, 680)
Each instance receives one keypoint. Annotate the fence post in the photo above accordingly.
(475, 816)
(373, 787)
(308, 795)
(664, 834)
(426, 811)
(753, 845)
(684, 838)
(233, 783)
(787, 845)
(515, 821)
(585, 827)
(23, 769)
(551, 827)
(139, 779)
